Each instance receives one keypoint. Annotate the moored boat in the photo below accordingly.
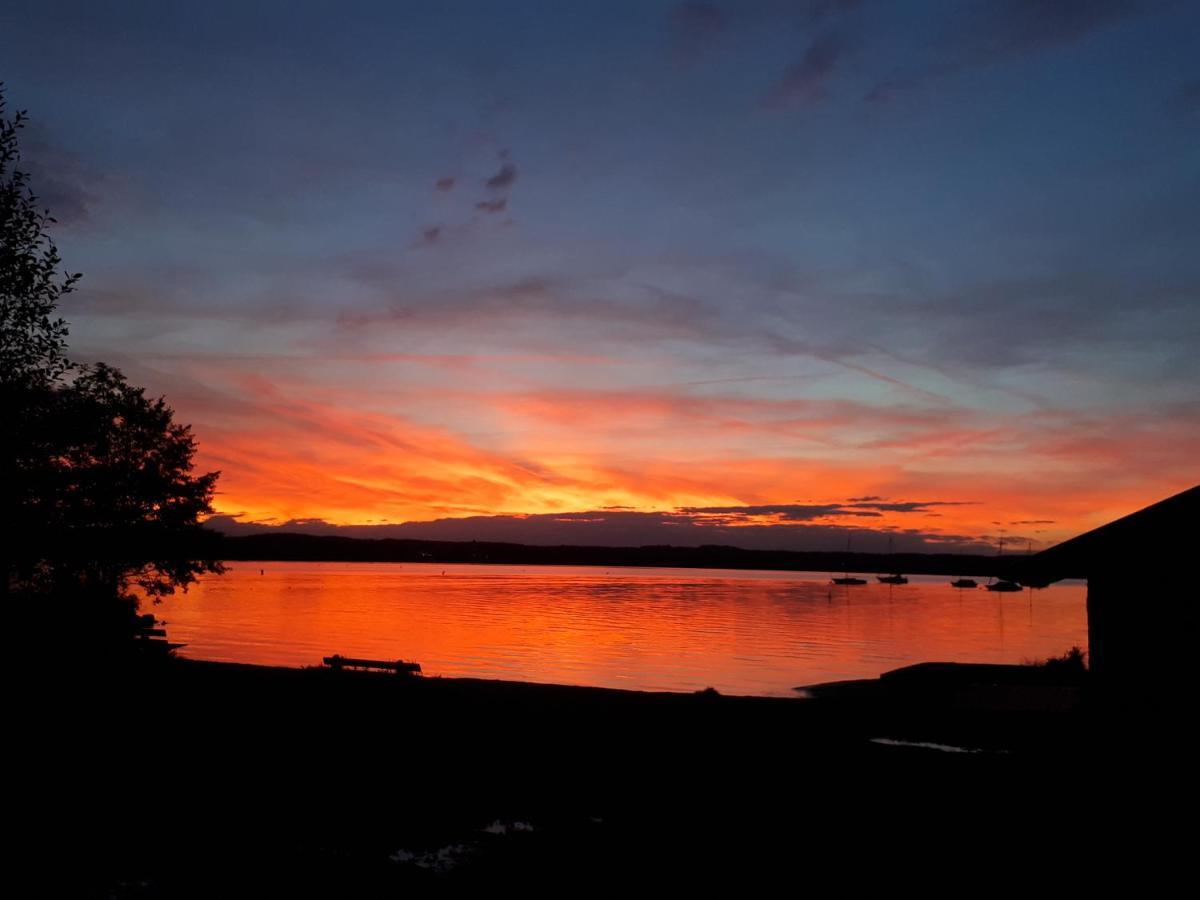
(897, 578)
(1004, 586)
(847, 578)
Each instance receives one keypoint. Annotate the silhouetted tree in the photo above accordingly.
(97, 492)
(33, 341)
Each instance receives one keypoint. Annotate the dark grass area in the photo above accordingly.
(200, 779)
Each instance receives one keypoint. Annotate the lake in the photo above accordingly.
(741, 632)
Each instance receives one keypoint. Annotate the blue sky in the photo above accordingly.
(939, 252)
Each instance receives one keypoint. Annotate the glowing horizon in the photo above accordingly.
(310, 459)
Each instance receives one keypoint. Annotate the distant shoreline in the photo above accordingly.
(291, 547)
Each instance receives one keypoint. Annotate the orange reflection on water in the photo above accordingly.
(650, 629)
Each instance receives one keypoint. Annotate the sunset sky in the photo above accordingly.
(640, 270)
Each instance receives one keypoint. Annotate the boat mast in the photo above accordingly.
(999, 554)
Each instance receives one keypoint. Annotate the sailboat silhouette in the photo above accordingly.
(897, 578)
(847, 578)
(1002, 585)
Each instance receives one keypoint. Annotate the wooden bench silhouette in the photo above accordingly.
(399, 666)
(149, 638)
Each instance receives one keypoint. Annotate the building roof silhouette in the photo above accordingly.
(1143, 540)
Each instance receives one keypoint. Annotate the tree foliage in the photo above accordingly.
(106, 478)
(98, 495)
(33, 340)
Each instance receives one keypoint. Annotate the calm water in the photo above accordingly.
(650, 629)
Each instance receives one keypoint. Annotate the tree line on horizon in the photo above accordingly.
(296, 547)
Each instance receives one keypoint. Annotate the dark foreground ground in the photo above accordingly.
(207, 780)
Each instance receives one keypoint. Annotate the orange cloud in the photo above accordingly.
(316, 449)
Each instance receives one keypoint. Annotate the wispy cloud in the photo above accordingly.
(1000, 30)
(783, 512)
(430, 235)
(62, 182)
(907, 506)
(805, 81)
(503, 179)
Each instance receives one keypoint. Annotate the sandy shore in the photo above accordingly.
(206, 779)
